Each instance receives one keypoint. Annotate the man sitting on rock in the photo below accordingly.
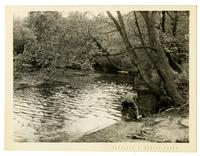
(129, 101)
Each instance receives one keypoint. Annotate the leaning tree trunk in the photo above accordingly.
(161, 61)
(134, 58)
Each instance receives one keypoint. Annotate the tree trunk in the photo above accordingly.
(174, 23)
(163, 21)
(134, 58)
(162, 64)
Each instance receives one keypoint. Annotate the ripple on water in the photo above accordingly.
(51, 113)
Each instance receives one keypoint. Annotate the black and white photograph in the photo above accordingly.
(101, 75)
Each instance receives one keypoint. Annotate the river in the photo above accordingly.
(53, 111)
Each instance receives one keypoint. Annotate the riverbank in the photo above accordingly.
(158, 128)
(97, 97)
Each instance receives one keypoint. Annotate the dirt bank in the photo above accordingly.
(162, 128)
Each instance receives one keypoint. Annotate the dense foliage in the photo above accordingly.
(45, 39)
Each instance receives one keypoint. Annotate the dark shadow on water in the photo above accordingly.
(116, 78)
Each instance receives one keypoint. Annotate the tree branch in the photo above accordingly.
(140, 34)
(142, 40)
(114, 20)
(121, 21)
(110, 31)
(107, 54)
(170, 15)
(130, 50)
(145, 15)
(123, 32)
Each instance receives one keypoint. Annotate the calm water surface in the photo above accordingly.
(61, 112)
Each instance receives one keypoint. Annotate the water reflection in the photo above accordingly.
(60, 112)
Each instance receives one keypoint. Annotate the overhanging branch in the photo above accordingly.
(130, 50)
(106, 54)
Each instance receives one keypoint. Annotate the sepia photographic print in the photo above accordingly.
(106, 78)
